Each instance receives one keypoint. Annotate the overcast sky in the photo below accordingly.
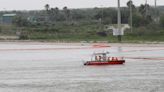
(39, 4)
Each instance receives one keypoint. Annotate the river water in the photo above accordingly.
(50, 67)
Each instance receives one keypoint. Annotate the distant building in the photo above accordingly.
(8, 18)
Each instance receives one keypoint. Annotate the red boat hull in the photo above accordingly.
(104, 63)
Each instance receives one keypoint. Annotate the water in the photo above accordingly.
(48, 67)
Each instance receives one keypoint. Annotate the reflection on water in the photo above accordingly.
(63, 71)
(119, 49)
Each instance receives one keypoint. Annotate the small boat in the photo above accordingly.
(103, 59)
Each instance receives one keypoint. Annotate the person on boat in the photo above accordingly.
(114, 59)
(108, 58)
(100, 58)
(96, 58)
(104, 56)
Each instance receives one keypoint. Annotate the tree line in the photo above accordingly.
(143, 15)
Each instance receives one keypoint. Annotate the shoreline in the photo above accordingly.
(82, 43)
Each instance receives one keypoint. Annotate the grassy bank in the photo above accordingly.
(85, 32)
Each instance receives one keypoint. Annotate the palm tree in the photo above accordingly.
(131, 5)
(47, 6)
(66, 12)
(131, 8)
(53, 12)
(56, 10)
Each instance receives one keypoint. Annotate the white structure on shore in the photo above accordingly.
(115, 30)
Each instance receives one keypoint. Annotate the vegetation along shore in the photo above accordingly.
(90, 24)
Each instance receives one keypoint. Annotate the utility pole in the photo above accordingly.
(119, 22)
(155, 4)
(155, 1)
(146, 8)
(131, 17)
(102, 14)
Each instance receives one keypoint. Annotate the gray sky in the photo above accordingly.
(39, 4)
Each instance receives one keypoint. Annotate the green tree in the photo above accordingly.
(124, 15)
(144, 10)
(109, 15)
(137, 20)
(162, 21)
(146, 17)
(20, 21)
(53, 14)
